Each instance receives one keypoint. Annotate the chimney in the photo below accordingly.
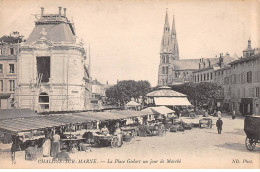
(60, 11)
(42, 11)
(64, 9)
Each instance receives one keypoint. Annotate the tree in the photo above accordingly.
(122, 93)
(199, 93)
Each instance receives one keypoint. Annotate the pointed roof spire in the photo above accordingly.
(249, 43)
(166, 23)
(173, 26)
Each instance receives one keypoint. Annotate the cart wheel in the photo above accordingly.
(250, 144)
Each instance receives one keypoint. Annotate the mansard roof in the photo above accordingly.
(55, 33)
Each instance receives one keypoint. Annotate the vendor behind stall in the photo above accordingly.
(104, 130)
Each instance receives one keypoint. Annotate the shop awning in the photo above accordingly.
(172, 101)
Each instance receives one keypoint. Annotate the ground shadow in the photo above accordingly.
(238, 147)
(237, 132)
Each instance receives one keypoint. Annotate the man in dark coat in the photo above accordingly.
(219, 124)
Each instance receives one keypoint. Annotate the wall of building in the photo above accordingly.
(206, 75)
(66, 87)
(8, 75)
(245, 83)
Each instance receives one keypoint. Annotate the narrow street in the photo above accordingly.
(196, 148)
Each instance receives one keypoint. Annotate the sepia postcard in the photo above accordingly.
(130, 84)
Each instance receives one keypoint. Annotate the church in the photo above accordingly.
(172, 69)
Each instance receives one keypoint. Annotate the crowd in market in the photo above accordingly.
(57, 142)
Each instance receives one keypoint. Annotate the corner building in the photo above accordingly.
(52, 70)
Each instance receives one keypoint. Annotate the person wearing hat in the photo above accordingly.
(219, 124)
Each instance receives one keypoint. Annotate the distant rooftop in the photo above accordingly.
(13, 38)
(57, 28)
(253, 57)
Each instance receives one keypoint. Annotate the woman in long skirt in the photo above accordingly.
(55, 146)
(46, 147)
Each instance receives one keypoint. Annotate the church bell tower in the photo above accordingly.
(169, 51)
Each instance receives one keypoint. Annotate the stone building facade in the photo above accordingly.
(241, 83)
(206, 67)
(52, 67)
(9, 49)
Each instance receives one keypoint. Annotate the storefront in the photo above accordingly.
(246, 106)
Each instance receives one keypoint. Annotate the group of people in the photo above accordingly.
(117, 132)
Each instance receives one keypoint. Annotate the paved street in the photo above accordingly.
(196, 148)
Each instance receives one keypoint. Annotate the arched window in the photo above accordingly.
(163, 70)
(163, 59)
(167, 59)
(167, 70)
(44, 100)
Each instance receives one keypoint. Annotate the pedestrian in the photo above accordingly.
(118, 133)
(16, 142)
(219, 114)
(219, 124)
(233, 114)
(55, 147)
(46, 147)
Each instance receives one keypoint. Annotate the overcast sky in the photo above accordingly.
(125, 36)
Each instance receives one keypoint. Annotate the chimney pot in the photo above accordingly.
(42, 11)
(64, 9)
(60, 11)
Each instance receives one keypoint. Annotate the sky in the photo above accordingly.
(125, 36)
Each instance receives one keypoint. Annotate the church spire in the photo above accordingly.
(173, 27)
(174, 48)
(166, 23)
(166, 35)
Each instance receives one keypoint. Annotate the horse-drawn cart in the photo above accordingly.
(252, 130)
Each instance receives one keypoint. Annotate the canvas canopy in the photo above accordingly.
(27, 124)
(158, 110)
(16, 113)
(132, 103)
(17, 125)
(172, 101)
